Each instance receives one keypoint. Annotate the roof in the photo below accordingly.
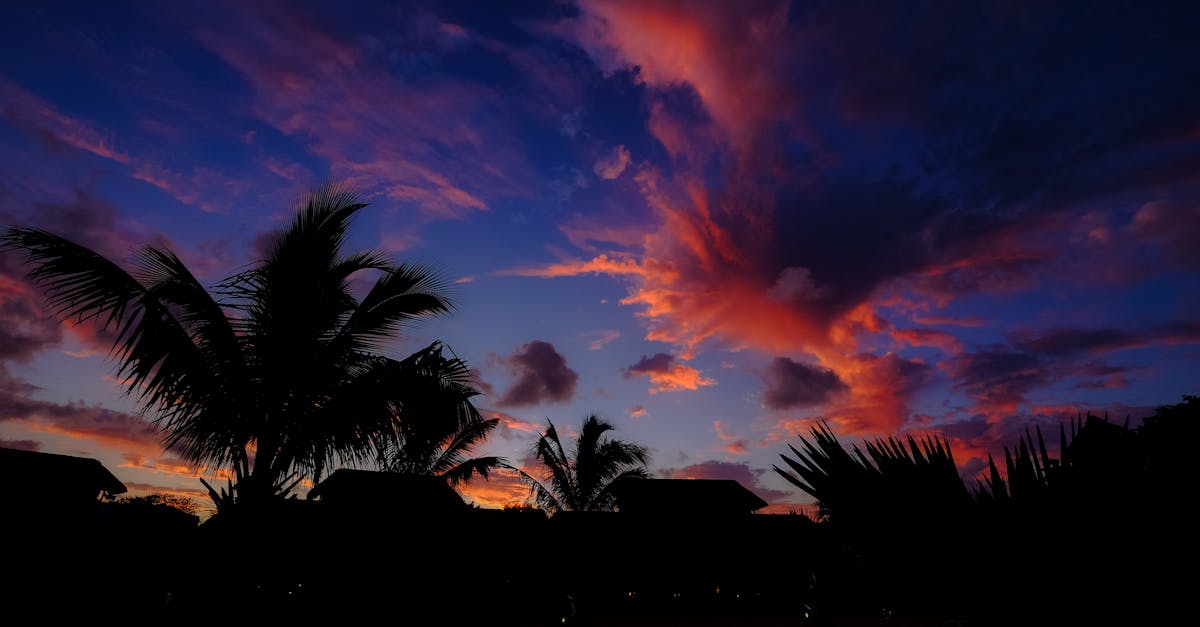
(685, 496)
(35, 476)
(371, 487)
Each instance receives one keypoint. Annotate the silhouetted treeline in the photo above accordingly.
(1091, 525)
(1094, 533)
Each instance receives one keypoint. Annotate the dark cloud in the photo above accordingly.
(86, 219)
(26, 325)
(25, 328)
(660, 362)
(792, 384)
(1069, 340)
(542, 376)
(750, 478)
(1001, 376)
(1173, 225)
(24, 445)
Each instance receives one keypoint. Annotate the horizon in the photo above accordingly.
(711, 225)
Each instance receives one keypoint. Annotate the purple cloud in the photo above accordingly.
(542, 376)
(793, 384)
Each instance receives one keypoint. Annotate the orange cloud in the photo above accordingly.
(734, 445)
(928, 337)
(667, 375)
(601, 264)
(512, 422)
(503, 488)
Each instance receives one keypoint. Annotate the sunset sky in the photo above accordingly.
(708, 222)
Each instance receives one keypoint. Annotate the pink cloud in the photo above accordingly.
(601, 338)
(30, 112)
(438, 146)
(611, 166)
(730, 55)
(195, 187)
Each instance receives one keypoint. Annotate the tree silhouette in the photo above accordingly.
(276, 373)
(439, 424)
(583, 481)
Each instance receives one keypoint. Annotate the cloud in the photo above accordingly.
(881, 389)
(734, 445)
(781, 223)
(1000, 377)
(370, 106)
(25, 329)
(728, 55)
(503, 488)
(796, 284)
(542, 376)
(1174, 226)
(513, 428)
(666, 375)
(611, 166)
(61, 132)
(1070, 340)
(741, 472)
(109, 428)
(23, 445)
(91, 221)
(600, 338)
(637, 411)
(792, 384)
(27, 111)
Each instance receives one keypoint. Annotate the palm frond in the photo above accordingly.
(480, 466)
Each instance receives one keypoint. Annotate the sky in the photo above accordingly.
(710, 223)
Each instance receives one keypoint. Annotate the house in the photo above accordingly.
(33, 478)
(690, 497)
(372, 489)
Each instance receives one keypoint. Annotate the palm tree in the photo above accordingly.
(583, 481)
(440, 425)
(276, 374)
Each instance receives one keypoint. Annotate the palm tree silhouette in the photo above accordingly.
(439, 424)
(276, 373)
(583, 481)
